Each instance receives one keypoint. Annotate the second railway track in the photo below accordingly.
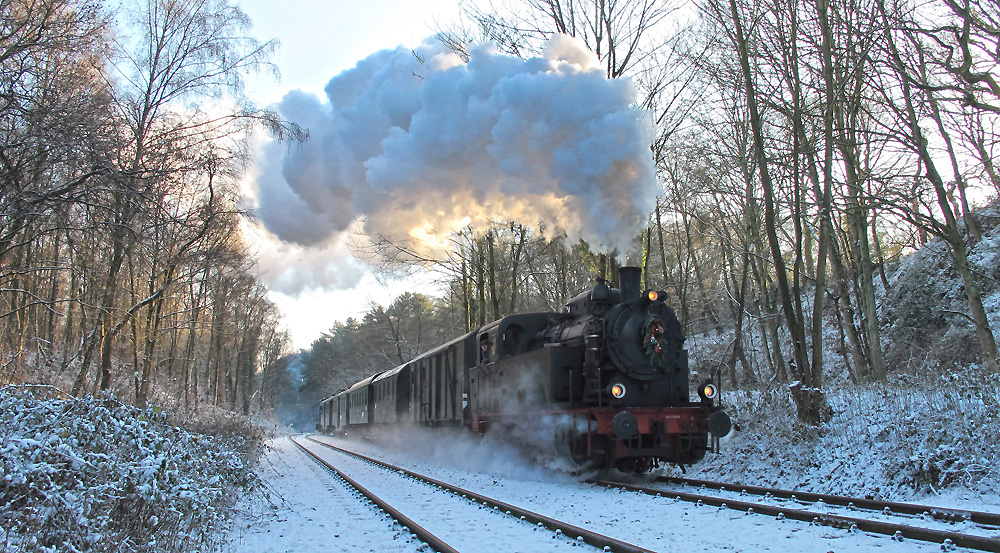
(945, 514)
(977, 530)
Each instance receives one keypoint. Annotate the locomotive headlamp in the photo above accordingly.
(708, 391)
(618, 390)
(650, 296)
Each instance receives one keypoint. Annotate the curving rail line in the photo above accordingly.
(938, 513)
(896, 530)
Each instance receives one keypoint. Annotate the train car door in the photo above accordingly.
(338, 415)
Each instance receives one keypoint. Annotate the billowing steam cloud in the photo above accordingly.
(416, 144)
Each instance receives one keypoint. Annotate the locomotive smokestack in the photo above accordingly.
(629, 278)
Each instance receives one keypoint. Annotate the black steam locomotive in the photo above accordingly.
(609, 374)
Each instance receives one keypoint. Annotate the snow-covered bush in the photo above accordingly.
(883, 441)
(768, 445)
(90, 474)
(942, 438)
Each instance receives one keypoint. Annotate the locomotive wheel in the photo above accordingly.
(573, 445)
(634, 465)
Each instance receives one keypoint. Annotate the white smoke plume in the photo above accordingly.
(416, 144)
(294, 269)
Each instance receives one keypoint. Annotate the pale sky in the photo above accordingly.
(321, 39)
(318, 41)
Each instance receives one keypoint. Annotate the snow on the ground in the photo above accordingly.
(310, 511)
(305, 509)
(447, 515)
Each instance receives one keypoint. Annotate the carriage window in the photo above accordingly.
(512, 339)
(485, 348)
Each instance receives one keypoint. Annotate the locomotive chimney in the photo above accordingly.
(628, 278)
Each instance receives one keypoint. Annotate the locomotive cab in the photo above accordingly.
(515, 371)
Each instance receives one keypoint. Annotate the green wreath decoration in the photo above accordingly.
(654, 340)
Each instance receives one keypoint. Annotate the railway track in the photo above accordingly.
(899, 520)
(419, 531)
(519, 525)
(982, 518)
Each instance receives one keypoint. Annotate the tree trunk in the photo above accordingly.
(814, 379)
(480, 284)
(647, 245)
(857, 216)
(971, 225)
(466, 299)
(491, 275)
(663, 250)
(107, 340)
(810, 405)
(740, 312)
(522, 236)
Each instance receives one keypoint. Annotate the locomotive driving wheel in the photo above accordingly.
(634, 465)
(586, 454)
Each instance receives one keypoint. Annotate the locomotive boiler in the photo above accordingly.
(607, 377)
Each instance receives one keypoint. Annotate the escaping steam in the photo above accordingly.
(417, 144)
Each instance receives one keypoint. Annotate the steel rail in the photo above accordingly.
(940, 513)
(590, 537)
(422, 533)
(897, 531)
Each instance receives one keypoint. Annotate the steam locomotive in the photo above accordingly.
(609, 375)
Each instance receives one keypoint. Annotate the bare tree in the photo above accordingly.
(117, 184)
(53, 131)
(917, 93)
(183, 52)
(968, 49)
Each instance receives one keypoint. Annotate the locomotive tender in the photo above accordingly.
(609, 374)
